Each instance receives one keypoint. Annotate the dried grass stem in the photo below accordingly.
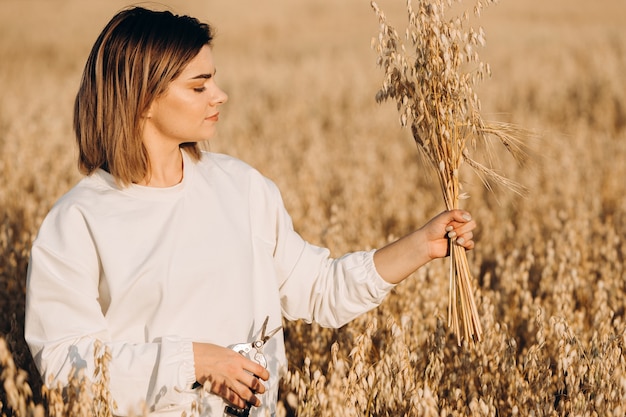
(433, 87)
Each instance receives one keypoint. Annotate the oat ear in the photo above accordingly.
(431, 75)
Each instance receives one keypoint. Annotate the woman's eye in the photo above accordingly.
(199, 89)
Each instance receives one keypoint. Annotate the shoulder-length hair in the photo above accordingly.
(136, 56)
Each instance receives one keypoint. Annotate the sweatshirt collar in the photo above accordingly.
(156, 193)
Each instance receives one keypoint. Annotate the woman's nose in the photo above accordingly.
(219, 96)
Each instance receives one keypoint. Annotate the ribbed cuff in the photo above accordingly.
(176, 360)
(380, 286)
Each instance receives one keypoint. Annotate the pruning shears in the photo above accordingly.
(253, 351)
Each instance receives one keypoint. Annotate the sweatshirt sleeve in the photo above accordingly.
(64, 319)
(316, 287)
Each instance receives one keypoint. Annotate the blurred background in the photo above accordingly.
(301, 78)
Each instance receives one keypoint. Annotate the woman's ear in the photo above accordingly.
(148, 113)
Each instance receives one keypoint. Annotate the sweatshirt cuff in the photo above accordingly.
(175, 373)
(380, 286)
(177, 355)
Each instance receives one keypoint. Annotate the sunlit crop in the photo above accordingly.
(548, 268)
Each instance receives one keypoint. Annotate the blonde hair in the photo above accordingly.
(136, 56)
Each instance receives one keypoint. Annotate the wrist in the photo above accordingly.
(397, 260)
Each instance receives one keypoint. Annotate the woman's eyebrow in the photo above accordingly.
(204, 76)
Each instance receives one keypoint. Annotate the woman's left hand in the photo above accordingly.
(449, 227)
(399, 259)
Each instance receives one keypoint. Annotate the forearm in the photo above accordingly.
(397, 260)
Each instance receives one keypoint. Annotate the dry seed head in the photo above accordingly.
(435, 95)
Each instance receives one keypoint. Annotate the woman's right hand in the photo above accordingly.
(230, 375)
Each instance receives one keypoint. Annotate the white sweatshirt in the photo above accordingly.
(149, 270)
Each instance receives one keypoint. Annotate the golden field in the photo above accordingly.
(302, 77)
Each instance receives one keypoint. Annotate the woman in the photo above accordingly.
(169, 255)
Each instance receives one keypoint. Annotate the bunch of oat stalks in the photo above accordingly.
(433, 86)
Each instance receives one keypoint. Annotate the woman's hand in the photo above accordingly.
(450, 227)
(230, 375)
(401, 258)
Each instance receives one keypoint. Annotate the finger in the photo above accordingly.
(246, 394)
(256, 385)
(234, 392)
(465, 240)
(462, 216)
(458, 230)
(257, 370)
(465, 228)
(469, 245)
(231, 396)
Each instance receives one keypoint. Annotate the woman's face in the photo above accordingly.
(188, 110)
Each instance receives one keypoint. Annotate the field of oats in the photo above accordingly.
(548, 268)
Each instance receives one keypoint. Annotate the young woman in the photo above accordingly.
(169, 255)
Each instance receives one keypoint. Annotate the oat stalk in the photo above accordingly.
(433, 87)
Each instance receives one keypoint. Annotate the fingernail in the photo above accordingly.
(452, 234)
(449, 228)
(460, 241)
(467, 217)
